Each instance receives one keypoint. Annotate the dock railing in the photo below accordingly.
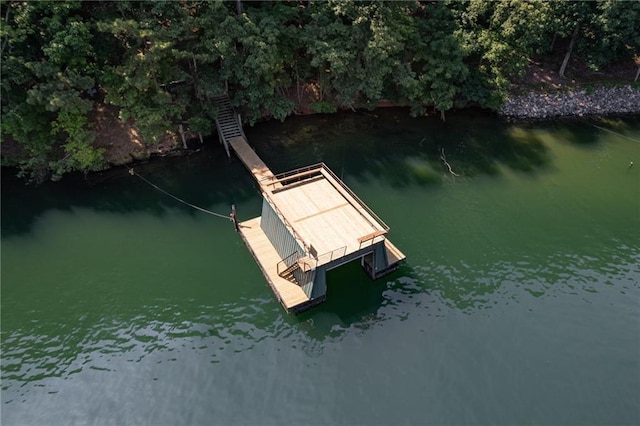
(287, 262)
(293, 175)
(330, 255)
(370, 237)
(304, 273)
(361, 203)
(308, 172)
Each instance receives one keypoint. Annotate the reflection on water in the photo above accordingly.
(108, 284)
(470, 288)
(48, 350)
(44, 350)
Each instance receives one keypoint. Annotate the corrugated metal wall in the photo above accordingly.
(277, 233)
(284, 243)
(306, 280)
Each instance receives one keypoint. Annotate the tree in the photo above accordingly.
(618, 33)
(498, 38)
(160, 63)
(47, 67)
(573, 20)
(257, 48)
(436, 63)
(357, 47)
(138, 82)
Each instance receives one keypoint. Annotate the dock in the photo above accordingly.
(311, 222)
(250, 159)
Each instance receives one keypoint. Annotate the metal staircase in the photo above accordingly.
(288, 265)
(287, 274)
(227, 121)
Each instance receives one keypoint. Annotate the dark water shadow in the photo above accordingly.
(207, 178)
(400, 150)
(387, 144)
(356, 302)
(590, 129)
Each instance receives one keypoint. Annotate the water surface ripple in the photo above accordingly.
(519, 301)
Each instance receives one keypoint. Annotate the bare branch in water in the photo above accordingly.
(444, 160)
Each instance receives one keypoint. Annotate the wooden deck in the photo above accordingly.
(290, 295)
(324, 218)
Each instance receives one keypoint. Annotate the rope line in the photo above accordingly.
(616, 133)
(606, 130)
(133, 173)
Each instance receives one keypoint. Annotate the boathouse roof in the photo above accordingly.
(324, 215)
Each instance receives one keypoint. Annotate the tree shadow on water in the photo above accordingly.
(205, 179)
(391, 146)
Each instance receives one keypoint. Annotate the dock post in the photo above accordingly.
(233, 217)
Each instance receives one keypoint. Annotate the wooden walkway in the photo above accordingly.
(232, 136)
(250, 159)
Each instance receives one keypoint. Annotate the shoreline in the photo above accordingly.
(534, 105)
(619, 100)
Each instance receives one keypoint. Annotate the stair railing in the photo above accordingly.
(285, 263)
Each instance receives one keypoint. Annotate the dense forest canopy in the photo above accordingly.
(159, 63)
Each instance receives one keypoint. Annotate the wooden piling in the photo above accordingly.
(233, 217)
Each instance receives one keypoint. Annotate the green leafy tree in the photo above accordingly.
(138, 82)
(573, 20)
(498, 38)
(47, 68)
(257, 49)
(617, 25)
(357, 47)
(436, 61)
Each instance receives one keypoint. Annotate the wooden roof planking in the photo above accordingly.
(323, 217)
(318, 206)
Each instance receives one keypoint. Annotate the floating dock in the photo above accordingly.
(311, 222)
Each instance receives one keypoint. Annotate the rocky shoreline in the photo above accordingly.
(600, 101)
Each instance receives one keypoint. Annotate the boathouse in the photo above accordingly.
(311, 222)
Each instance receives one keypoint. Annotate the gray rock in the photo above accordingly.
(601, 101)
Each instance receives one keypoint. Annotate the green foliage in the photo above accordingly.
(437, 63)
(258, 58)
(358, 48)
(497, 39)
(616, 33)
(161, 63)
(48, 67)
(323, 107)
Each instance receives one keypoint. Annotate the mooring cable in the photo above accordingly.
(615, 133)
(228, 217)
(582, 121)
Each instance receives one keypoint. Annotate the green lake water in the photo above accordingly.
(519, 302)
